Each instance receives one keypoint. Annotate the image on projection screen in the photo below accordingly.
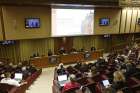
(72, 22)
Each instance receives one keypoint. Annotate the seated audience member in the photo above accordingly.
(101, 60)
(93, 48)
(31, 69)
(25, 72)
(126, 50)
(130, 68)
(94, 71)
(71, 84)
(78, 65)
(78, 75)
(18, 68)
(90, 76)
(10, 81)
(84, 67)
(119, 91)
(50, 53)
(101, 63)
(135, 45)
(118, 82)
(61, 70)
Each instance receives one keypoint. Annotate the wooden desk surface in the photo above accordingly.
(71, 58)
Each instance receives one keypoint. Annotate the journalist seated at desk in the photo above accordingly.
(10, 81)
(61, 70)
(71, 84)
(83, 67)
(119, 83)
(94, 71)
(130, 68)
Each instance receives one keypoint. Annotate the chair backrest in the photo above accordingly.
(72, 90)
(4, 88)
(92, 87)
(136, 88)
(126, 90)
(82, 81)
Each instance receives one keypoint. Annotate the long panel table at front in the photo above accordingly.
(71, 58)
(42, 62)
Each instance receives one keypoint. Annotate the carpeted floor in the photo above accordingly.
(44, 82)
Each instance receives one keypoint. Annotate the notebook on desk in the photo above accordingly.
(62, 79)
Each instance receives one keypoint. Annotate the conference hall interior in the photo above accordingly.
(70, 46)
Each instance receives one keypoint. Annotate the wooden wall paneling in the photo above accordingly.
(2, 32)
(66, 42)
(56, 44)
(128, 20)
(134, 20)
(113, 15)
(10, 52)
(14, 22)
(77, 42)
(123, 21)
(137, 25)
(40, 46)
(25, 49)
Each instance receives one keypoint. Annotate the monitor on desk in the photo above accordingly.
(106, 83)
(62, 77)
(18, 76)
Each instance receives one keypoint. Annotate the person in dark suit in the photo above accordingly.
(130, 68)
(93, 49)
(50, 53)
(61, 70)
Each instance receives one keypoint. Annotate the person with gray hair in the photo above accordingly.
(72, 84)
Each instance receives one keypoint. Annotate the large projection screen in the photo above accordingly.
(72, 22)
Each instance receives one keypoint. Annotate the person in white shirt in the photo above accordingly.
(10, 81)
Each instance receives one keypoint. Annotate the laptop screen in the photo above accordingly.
(62, 77)
(18, 76)
(105, 83)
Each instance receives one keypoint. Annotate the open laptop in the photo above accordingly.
(106, 83)
(62, 79)
(18, 76)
